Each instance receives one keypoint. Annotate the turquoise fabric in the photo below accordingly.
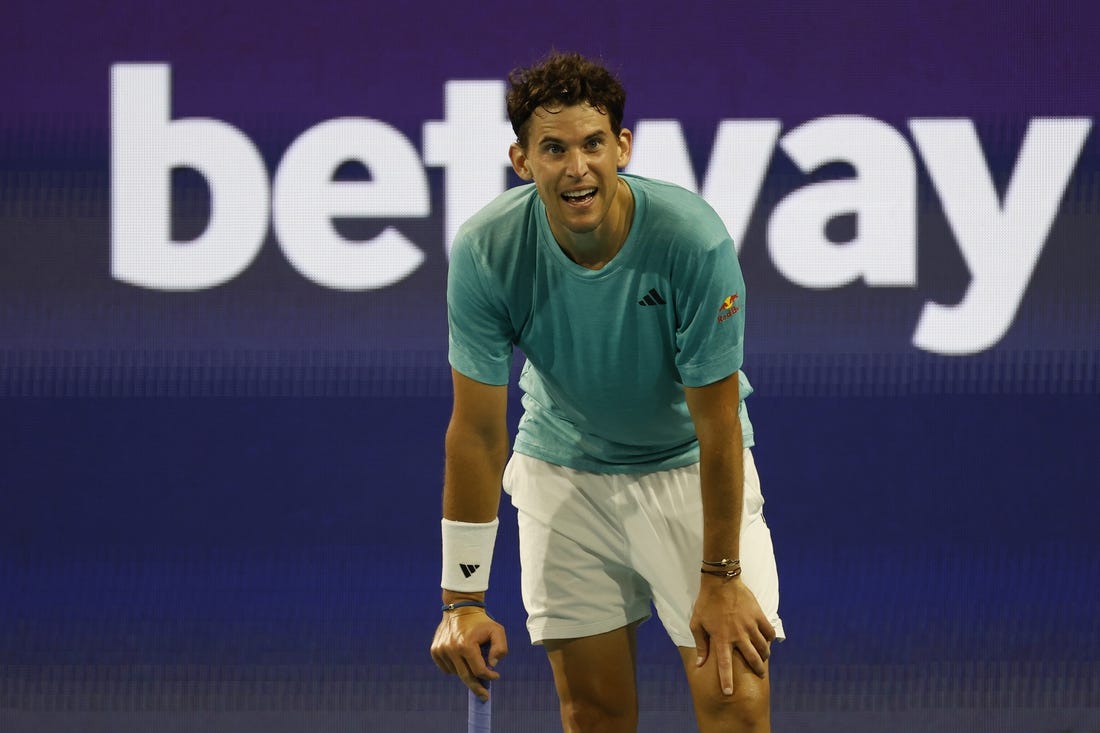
(610, 350)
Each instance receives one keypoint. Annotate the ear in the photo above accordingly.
(519, 162)
(626, 141)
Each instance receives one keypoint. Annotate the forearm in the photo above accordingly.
(473, 468)
(715, 412)
(472, 473)
(722, 479)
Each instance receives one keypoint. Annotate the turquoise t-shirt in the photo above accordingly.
(609, 351)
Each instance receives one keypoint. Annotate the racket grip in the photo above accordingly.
(479, 715)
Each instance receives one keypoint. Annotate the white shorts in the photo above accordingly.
(596, 549)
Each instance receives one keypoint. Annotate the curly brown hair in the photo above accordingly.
(563, 80)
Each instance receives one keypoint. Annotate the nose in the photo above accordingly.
(576, 164)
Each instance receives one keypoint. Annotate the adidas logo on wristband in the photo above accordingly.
(467, 555)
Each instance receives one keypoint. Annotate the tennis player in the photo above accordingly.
(631, 472)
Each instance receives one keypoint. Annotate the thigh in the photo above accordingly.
(595, 680)
(572, 590)
(576, 577)
(667, 545)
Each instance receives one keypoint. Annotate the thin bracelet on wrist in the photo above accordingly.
(462, 604)
(731, 573)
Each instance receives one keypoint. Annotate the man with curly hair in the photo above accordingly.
(631, 471)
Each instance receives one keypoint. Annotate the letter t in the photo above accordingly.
(472, 145)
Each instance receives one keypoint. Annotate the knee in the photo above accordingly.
(584, 715)
(747, 709)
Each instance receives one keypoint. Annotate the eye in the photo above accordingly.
(594, 143)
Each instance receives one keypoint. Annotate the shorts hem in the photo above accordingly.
(541, 631)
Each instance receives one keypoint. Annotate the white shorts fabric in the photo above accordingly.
(597, 549)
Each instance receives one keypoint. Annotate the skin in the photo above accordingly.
(729, 673)
(574, 149)
(476, 450)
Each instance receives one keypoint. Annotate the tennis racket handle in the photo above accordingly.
(479, 715)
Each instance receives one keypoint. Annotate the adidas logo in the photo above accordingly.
(468, 570)
(652, 298)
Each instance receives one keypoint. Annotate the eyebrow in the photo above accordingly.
(547, 139)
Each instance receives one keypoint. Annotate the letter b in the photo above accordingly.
(146, 144)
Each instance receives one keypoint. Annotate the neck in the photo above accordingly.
(597, 248)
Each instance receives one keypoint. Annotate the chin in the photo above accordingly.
(582, 227)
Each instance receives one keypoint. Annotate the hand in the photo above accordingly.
(727, 616)
(456, 647)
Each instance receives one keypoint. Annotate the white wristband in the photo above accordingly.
(467, 554)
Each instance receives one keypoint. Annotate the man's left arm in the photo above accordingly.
(726, 615)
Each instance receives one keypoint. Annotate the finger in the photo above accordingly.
(702, 645)
(474, 661)
(479, 665)
(725, 668)
(473, 683)
(498, 647)
(441, 660)
(762, 646)
(752, 658)
(443, 663)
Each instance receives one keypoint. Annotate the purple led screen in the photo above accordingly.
(913, 190)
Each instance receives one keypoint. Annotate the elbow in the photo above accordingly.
(491, 440)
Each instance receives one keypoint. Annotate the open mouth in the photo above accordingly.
(583, 196)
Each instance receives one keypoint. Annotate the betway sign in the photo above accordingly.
(1000, 239)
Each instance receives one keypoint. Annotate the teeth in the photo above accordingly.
(579, 194)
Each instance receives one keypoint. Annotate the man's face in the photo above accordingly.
(573, 157)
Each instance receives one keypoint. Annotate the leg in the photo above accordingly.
(747, 710)
(594, 676)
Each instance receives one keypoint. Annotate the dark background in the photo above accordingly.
(219, 508)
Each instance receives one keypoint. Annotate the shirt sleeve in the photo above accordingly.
(710, 304)
(479, 330)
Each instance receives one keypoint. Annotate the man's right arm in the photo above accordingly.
(476, 450)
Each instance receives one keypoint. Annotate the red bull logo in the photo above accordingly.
(728, 307)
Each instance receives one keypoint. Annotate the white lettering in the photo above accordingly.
(882, 195)
(472, 146)
(1000, 243)
(306, 199)
(146, 144)
(735, 173)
